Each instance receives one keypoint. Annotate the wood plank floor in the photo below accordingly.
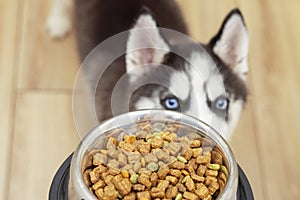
(37, 74)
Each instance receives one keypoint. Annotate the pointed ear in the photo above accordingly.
(145, 44)
(231, 43)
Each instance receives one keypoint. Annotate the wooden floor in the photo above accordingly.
(36, 78)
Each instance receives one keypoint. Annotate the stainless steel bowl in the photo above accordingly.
(78, 189)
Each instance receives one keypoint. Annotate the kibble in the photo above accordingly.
(154, 163)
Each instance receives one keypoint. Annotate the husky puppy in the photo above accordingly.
(97, 20)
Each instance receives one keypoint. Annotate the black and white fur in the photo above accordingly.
(97, 20)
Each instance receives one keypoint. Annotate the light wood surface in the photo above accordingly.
(8, 30)
(37, 74)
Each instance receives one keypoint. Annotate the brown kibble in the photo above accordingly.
(138, 187)
(112, 163)
(125, 173)
(154, 178)
(100, 169)
(187, 153)
(222, 177)
(144, 147)
(113, 153)
(209, 180)
(144, 179)
(216, 157)
(197, 178)
(201, 170)
(163, 155)
(122, 159)
(213, 187)
(186, 173)
(117, 178)
(195, 144)
(177, 165)
(124, 186)
(127, 167)
(208, 197)
(110, 192)
(193, 163)
(190, 185)
(205, 159)
(190, 168)
(175, 172)
(202, 191)
(171, 192)
(87, 161)
(99, 159)
(109, 179)
(100, 193)
(145, 171)
(94, 177)
(173, 180)
(143, 195)
(162, 172)
(86, 177)
(157, 143)
(197, 152)
(163, 185)
(99, 184)
(221, 185)
(211, 173)
(174, 148)
(190, 195)
(157, 193)
(126, 146)
(129, 139)
(134, 157)
(169, 137)
(114, 171)
(130, 196)
(151, 157)
(181, 187)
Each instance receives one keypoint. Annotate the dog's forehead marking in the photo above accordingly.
(205, 74)
(180, 85)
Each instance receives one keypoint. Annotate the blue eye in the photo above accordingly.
(171, 103)
(221, 103)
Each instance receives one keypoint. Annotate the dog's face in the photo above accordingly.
(207, 83)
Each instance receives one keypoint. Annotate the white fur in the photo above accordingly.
(234, 112)
(145, 44)
(179, 85)
(149, 102)
(59, 22)
(204, 72)
(232, 47)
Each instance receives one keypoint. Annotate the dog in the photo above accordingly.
(224, 59)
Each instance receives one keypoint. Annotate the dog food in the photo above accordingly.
(153, 160)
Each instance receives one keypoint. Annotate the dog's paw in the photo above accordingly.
(58, 25)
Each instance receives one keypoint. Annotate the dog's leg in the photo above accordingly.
(60, 19)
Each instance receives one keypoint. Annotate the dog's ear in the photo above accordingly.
(145, 44)
(231, 43)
